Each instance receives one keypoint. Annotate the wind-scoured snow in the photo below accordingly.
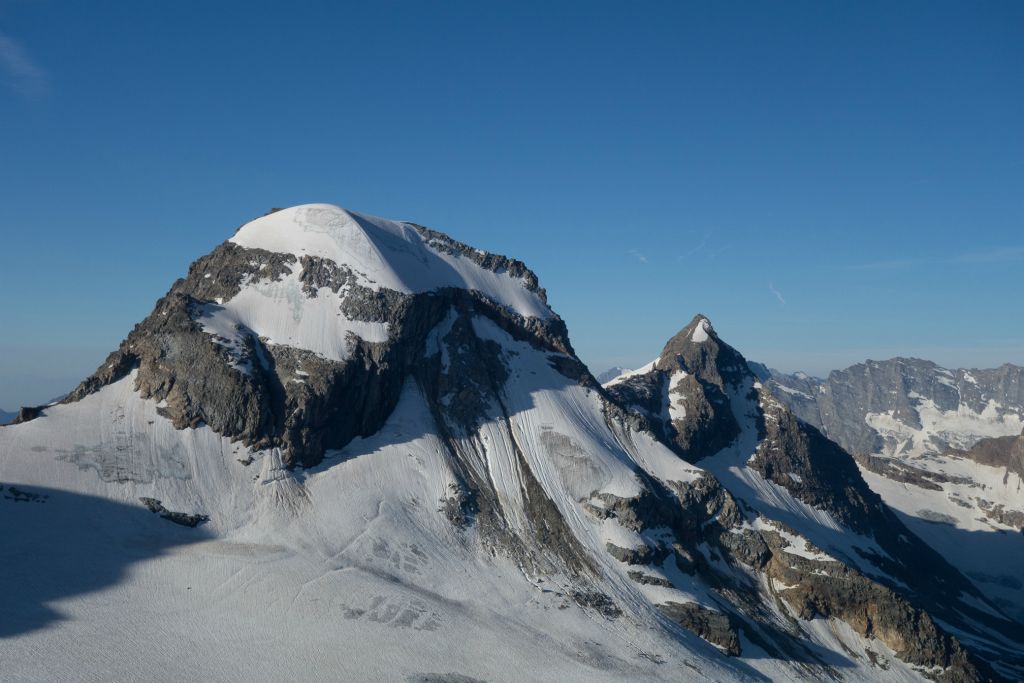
(382, 253)
(700, 332)
(280, 312)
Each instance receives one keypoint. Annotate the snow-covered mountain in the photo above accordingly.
(942, 448)
(610, 374)
(345, 447)
(906, 406)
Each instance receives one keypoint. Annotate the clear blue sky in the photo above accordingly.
(828, 181)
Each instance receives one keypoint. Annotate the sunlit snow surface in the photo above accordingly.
(282, 313)
(346, 571)
(382, 253)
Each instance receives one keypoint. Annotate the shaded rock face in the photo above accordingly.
(694, 378)
(714, 627)
(27, 413)
(274, 395)
(901, 387)
(828, 589)
(191, 520)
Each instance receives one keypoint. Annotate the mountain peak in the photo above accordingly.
(701, 329)
(378, 253)
(304, 229)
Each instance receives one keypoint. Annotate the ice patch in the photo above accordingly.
(700, 332)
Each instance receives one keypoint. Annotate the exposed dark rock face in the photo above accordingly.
(443, 678)
(27, 413)
(815, 470)
(292, 398)
(702, 371)
(495, 263)
(901, 472)
(182, 518)
(708, 536)
(713, 627)
(839, 404)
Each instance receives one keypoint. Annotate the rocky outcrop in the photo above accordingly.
(712, 541)
(28, 413)
(714, 627)
(183, 518)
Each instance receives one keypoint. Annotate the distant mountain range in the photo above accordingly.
(610, 374)
(905, 406)
(944, 447)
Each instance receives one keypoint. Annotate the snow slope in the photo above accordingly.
(954, 503)
(343, 570)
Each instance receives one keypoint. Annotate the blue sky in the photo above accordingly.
(828, 181)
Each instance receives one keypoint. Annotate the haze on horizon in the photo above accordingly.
(828, 183)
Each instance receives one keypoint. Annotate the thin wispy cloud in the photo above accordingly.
(777, 293)
(703, 243)
(18, 70)
(997, 255)
(637, 255)
(993, 255)
(886, 264)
